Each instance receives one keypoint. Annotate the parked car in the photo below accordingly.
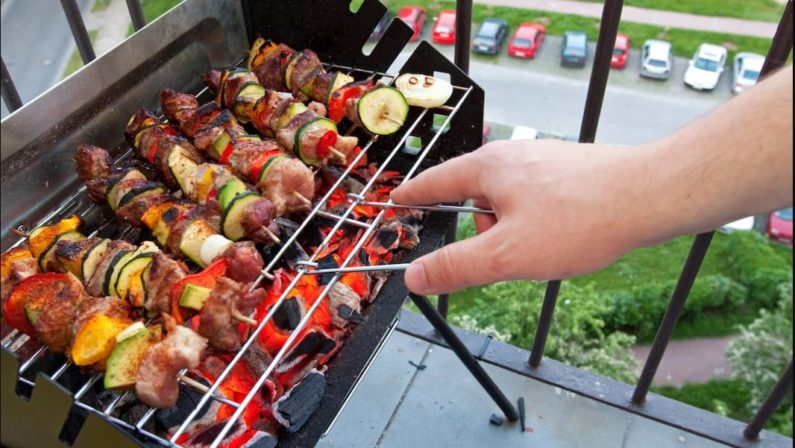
(745, 224)
(706, 67)
(380, 29)
(575, 49)
(620, 51)
(526, 41)
(490, 36)
(444, 28)
(656, 59)
(414, 16)
(779, 225)
(746, 71)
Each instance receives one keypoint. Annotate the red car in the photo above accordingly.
(779, 226)
(444, 28)
(526, 41)
(620, 51)
(414, 16)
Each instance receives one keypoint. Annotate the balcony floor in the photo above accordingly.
(398, 405)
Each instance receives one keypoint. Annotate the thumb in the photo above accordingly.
(458, 265)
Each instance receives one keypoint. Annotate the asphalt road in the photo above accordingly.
(540, 93)
(36, 43)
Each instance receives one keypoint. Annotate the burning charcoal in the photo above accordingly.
(341, 295)
(327, 262)
(261, 440)
(312, 344)
(294, 252)
(257, 359)
(313, 349)
(289, 314)
(186, 403)
(299, 403)
(206, 437)
(350, 315)
(387, 237)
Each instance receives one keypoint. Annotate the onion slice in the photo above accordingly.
(424, 91)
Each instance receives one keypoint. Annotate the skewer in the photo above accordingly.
(245, 319)
(272, 235)
(339, 155)
(302, 198)
(381, 267)
(393, 120)
(434, 208)
(193, 383)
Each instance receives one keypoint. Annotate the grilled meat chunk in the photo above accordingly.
(94, 166)
(156, 381)
(17, 264)
(54, 323)
(217, 321)
(159, 278)
(244, 260)
(177, 106)
(256, 217)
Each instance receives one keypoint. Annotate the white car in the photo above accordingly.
(524, 133)
(706, 67)
(746, 71)
(656, 59)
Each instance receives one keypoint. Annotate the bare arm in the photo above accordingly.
(565, 209)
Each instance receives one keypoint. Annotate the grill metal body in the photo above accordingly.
(40, 185)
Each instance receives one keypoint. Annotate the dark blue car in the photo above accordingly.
(490, 36)
(575, 49)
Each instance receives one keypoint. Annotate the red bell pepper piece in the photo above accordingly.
(206, 279)
(150, 156)
(336, 103)
(227, 154)
(260, 161)
(326, 142)
(14, 308)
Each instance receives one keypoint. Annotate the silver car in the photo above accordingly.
(746, 71)
(656, 59)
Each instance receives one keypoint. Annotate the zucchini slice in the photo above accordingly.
(233, 215)
(129, 285)
(193, 238)
(93, 257)
(119, 260)
(231, 188)
(144, 191)
(319, 123)
(383, 111)
(49, 254)
(293, 110)
(115, 193)
(263, 174)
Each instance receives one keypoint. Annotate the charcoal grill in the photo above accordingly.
(40, 187)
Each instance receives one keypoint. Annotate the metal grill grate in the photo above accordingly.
(16, 340)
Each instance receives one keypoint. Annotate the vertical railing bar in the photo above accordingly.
(136, 14)
(463, 33)
(770, 405)
(686, 279)
(9, 90)
(79, 32)
(611, 16)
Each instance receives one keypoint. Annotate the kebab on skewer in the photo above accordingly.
(99, 333)
(377, 109)
(180, 226)
(287, 183)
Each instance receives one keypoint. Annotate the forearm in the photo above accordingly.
(734, 162)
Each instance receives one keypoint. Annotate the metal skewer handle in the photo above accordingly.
(434, 208)
(381, 267)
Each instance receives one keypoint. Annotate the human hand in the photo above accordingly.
(562, 209)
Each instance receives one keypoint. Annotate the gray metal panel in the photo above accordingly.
(94, 104)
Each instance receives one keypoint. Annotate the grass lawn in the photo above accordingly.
(154, 9)
(765, 10)
(658, 263)
(100, 5)
(684, 42)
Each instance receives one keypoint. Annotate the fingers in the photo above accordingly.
(474, 261)
(483, 222)
(452, 181)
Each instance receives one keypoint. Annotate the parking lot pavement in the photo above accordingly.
(540, 93)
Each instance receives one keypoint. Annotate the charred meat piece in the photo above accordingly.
(177, 106)
(94, 167)
(217, 322)
(161, 275)
(286, 177)
(245, 261)
(59, 303)
(17, 264)
(133, 210)
(256, 217)
(156, 382)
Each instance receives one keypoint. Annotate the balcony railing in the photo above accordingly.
(531, 365)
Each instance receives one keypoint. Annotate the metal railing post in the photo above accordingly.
(9, 90)
(79, 32)
(136, 14)
(611, 16)
(689, 272)
(463, 17)
(770, 405)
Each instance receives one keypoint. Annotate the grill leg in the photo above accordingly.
(463, 354)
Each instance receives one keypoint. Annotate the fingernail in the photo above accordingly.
(416, 280)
